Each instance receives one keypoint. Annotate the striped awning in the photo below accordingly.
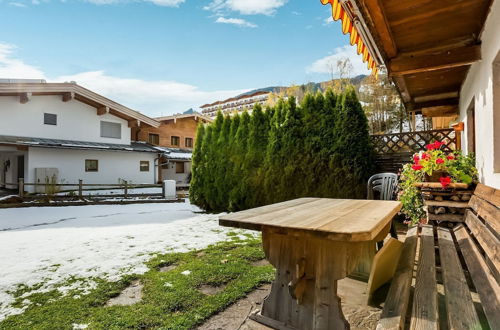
(338, 12)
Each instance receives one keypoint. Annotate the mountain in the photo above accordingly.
(311, 86)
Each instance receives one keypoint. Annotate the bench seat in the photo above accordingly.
(441, 271)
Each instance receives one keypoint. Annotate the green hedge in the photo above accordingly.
(318, 149)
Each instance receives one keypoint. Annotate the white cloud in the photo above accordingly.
(328, 63)
(246, 7)
(329, 20)
(17, 4)
(14, 68)
(235, 21)
(152, 97)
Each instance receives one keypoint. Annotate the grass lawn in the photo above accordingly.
(171, 300)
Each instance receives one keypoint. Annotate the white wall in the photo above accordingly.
(168, 173)
(113, 165)
(75, 120)
(478, 88)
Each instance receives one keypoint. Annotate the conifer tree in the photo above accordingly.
(238, 194)
(197, 173)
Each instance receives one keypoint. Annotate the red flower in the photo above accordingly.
(417, 167)
(439, 161)
(416, 159)
(430, 146)
(445, 181)
(425, 156)
(438, 144)
(450, 157)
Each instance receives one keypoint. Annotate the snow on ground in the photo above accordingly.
(50, 244)
(152, 190)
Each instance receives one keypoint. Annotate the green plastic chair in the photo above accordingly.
(385, 184)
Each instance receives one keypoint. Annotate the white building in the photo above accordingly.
(236, 104)
(66, 132)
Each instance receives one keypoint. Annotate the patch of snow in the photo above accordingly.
(7, 197)
(168, 285)
(186, 272)
(80, 326)
(49, 245)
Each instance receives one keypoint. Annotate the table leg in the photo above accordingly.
(309, 268)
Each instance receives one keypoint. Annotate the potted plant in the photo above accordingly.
(432, 165)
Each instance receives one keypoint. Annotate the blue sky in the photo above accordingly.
(164, 56)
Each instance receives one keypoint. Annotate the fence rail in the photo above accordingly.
(411, 142)
(81, 187)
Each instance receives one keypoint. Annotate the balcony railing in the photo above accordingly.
(410, 142)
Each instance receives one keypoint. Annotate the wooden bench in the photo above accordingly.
(454, 267)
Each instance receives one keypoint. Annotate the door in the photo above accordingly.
(20, 167)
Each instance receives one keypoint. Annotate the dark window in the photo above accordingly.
(175, 141)
(144, 166)
(154, 139)
(179, 167)
(111, 130)
(49, 119)
(91, 165)
(189, 142)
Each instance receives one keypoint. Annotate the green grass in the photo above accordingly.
(179, 306)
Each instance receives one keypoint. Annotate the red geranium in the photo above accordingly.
(416, 159)
(439, 161)
(450, 157)
(445, 181)
(417, 167)
(430, 146)
(438, 144)
(425, 156)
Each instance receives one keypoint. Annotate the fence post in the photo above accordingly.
(21, 187)
(163, 189)
(126, 188)
(80, 188)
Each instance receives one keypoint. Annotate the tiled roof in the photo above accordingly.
(71, 144)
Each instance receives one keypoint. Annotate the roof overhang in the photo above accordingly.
(70, 91)
(195, 116)
(426, 46)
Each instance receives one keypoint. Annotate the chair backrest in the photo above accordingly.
(384, 183)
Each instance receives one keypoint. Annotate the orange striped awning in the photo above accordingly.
(355, 39)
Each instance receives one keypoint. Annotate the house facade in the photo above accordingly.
(444, 59)
(175, 138)
(64, 133)
(236, 104)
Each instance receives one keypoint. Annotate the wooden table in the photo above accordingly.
(313, 243)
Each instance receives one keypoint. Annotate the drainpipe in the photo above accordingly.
(156, 164)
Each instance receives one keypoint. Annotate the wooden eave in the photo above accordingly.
(428, 47)
(70, 91)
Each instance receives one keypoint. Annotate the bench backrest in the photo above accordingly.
(483, 221)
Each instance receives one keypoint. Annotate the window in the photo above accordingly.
(111, 130)
(49, 119)
(154, 138)
(189, 142)
(144, 166)
(179, 167)
(91, 165)
(175, 140)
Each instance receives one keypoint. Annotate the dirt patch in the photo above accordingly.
(168, 268)
(211, 290)
(129, 296)
(261, 262)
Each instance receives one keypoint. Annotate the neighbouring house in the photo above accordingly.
(444, 58)
(236, 104)
(175, 139)
(62, 132)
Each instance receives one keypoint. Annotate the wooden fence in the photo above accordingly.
(394, 150)
(80, 187)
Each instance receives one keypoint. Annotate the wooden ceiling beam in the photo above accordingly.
(68, 96)
(102, 111)
(403, 89)
(25, 97)
(376, 11)
(435, 103)
(134, 123)
(404, 64)
(440, 111)
(435, 97)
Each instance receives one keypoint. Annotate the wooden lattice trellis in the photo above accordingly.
(411, 142)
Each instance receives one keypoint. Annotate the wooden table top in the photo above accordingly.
(336, 219)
